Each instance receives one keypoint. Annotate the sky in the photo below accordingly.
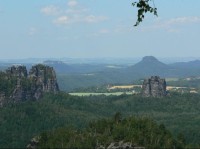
(97, 28)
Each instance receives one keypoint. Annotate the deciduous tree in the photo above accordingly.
(144, 6)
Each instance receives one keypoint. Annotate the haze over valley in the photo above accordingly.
(99, 74)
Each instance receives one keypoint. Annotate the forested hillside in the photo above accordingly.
(148, 66)
(23, 121)
(132, 131)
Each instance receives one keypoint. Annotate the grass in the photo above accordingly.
(97, 94)
(124, 86)
(171, 79)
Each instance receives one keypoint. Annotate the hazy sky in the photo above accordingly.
(97, 28)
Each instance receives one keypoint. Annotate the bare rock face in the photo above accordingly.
(17, 71)
(154, 87)
(33, 143)
(43, 80)
(121, 145)
(20, 86)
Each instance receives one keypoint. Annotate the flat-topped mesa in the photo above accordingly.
(154, 87)
(149, 59)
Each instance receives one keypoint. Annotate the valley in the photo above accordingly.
(99, 74)
(179, 113)
(94, 92)
(72, 75)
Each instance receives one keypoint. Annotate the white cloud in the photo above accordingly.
(172, 25)
(32, 31)
(66, 20)
(178, 21)
(62, 20)
(72, 3)
(73, 13)
(76, 11)
(183, 20)
(104, 31)
(94, 19)
(51, 10)
(100, 33)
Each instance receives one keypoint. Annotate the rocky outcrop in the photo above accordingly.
(33, 143)
(17, 71)
(43, 80)
(154, 87)
(121, 145)
(19, 85)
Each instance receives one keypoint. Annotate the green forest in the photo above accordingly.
(138, 130)
(178, 113)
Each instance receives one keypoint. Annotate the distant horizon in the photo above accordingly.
(99, 60)
(103, 57)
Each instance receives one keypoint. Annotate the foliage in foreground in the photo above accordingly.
(140, 131)
(144, 7)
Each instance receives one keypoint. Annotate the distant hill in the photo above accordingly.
(64, 68)
(87, 75)
(189, 65)
(149, 65)
(59, 66)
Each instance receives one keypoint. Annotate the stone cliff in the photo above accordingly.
(43, 79)
(154, 87)
(17, 84)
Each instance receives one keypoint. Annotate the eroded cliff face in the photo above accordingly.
(17, 71)
(43, 79)
(154, 87)
(16, 84)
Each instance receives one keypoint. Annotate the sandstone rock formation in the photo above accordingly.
(17, 71)
(121, 145)
(154, 87)
(19, 85)
(43, 80)
(33, 143)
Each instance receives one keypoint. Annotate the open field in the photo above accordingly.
(171, 79)
(132, 86)
(175, 87)
(124, 86)
(96, 94)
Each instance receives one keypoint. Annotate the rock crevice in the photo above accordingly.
(154, 87)
(20, 85)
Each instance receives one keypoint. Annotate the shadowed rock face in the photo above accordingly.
(154, 87)
(41, 79)
(17, 71)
